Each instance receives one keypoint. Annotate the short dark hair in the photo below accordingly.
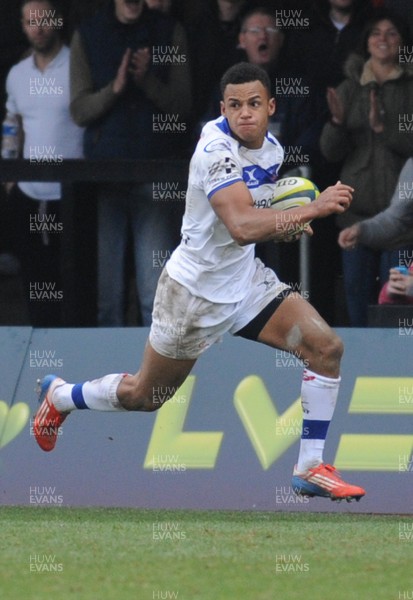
(244, 72)
(258, 10)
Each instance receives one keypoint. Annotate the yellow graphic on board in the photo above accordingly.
(272, 434)
(193, 449)
(12, 421)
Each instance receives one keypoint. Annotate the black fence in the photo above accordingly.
(80, 180)
(75, 170)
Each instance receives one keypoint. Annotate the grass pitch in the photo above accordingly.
(127, 554)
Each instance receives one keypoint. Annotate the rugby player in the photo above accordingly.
(213, 284)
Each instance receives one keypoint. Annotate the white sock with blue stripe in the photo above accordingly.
(98, 394)
(318, 399)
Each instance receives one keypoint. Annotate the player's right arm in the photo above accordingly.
(247, 225)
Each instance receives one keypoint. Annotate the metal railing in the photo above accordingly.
(73, 171)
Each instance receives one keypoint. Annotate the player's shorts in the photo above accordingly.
(184, 325)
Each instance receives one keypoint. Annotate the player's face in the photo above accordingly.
(261, 40)
(128, 11)
(384, 41)
(247, 106)
(37, 21)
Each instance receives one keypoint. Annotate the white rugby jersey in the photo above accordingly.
(208, 262)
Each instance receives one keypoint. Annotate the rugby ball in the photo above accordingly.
(293, 192)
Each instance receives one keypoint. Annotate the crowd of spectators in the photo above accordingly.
(144, 77)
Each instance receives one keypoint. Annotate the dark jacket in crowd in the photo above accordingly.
(145, 121)
(320, 51)
(372, 161)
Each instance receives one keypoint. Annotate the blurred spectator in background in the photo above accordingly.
(320, 50)
(368, 132)
(317, 54)
(130, 86)
(261, 42)
(185, 11)
(258, 42)
(38, 96)
(80, 10)
(404, 9)
(390, 228)
(163, 6)
(213, 42)
(13, 44)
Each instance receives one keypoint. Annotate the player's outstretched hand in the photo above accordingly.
(334, 199)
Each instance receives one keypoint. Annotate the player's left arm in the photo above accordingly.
(248, 225)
